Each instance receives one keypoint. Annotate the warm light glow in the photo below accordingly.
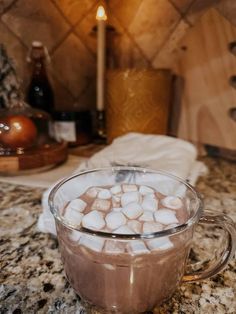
(17, 125)
(101, 14)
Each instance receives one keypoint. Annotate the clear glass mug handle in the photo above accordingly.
(223, 258)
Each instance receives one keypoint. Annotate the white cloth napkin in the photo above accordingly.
(158, 152)
(46, 178)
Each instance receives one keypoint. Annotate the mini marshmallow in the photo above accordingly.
(146, 216)
(92, 242)
(163, 243)
(165, 216)
(114, 247)
(145, 190)
(132, 210)
(77, 204)
(93, 220)
(115, 219)
(99, 204)
(135, 225)
(172, 202)
(129, 188)
(104, 194)
(75, 235)
(116, 189)
(123, 230)
(130, 197)
(117, 209)
(92, 192)
(151, 227)
(137, 247)
(149, 203)
(73, 216)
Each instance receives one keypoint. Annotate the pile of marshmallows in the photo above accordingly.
(124, 209)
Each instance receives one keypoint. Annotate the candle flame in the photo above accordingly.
(101, 14)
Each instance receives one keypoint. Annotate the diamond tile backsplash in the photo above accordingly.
(147, 34)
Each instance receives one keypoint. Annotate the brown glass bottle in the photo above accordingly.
(40, 93)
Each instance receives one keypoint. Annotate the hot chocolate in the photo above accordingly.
(126, 276)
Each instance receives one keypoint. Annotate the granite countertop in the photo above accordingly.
(32, 278)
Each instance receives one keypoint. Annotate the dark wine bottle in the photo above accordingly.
(40, 93)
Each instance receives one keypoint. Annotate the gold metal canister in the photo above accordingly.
(137, 101)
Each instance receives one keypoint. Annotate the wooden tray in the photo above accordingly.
(37, 159)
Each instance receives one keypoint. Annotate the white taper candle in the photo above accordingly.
(101, 46)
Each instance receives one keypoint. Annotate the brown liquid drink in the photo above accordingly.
(124, 276)
(125, 243)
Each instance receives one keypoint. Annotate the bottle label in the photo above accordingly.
(65, 131)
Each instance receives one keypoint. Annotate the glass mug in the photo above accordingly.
(130, 282)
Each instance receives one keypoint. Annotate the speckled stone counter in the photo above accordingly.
(32, 278)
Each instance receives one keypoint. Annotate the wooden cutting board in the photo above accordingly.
(34, 160)
(207, 66)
